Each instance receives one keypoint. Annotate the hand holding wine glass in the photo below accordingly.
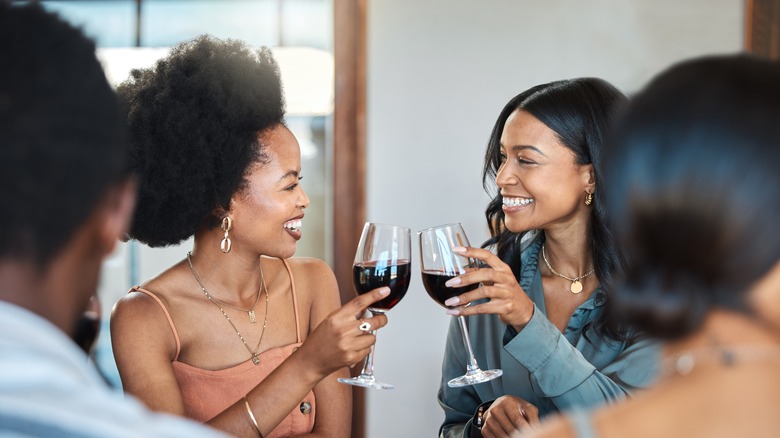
(506, 298)
(440, 264)
(383, 258)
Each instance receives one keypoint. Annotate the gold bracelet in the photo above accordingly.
(252, 417)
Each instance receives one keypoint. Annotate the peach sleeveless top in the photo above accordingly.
(206, 393)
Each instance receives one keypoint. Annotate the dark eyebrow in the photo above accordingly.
(522, 147)
(293, 173)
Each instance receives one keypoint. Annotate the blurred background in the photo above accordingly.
(392, 102)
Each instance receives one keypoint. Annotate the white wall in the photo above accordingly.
(439, 72)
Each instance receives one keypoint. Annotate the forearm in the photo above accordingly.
(334, 407)
(272, 399)
(560, 372)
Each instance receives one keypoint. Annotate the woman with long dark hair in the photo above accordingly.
(695, 191)
(540, 313)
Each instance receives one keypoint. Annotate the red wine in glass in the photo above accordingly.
(368, 276)
(434, 280)
(382, 259)
(439, 263)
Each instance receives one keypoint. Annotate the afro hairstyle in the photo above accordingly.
(194, 119)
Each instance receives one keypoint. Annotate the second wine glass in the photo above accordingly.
(383, 258)
(439, 264)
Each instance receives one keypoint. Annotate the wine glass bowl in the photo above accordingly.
(439, 264)
(367, 276)
(382, 259)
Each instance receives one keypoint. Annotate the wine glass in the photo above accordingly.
(383, 258)
(440, 264)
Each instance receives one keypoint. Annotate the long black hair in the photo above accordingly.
(580, 112)
(695, 191)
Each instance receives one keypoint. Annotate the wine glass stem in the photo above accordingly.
(368, 366)
(472, 366)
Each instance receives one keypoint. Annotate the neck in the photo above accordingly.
(726, 339)
(234, 276)
(568, 250)
(726, 328)
(55, 293)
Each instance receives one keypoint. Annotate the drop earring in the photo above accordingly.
(588, 198)
(225, 245)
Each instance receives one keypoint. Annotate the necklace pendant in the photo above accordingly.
(576, 287)
(255, 360)
(252, 317)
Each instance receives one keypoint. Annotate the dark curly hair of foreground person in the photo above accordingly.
(194, 119)
(60, 126)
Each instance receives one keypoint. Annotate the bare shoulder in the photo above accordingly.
(311, 273)
(135, 305)
(310, 266)
(138, 304)
(137, 318)
(316, 285)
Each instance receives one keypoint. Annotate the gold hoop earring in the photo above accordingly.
(225, 245)
(588, 198)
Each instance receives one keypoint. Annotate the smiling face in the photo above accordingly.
(540, 181)
(267, 213)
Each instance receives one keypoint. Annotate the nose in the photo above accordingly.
(303, 200)
(504, 177)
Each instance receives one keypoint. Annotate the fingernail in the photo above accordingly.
(454, 301)
(453, 312)
(452, 282)
(384, 291)
(459, 249)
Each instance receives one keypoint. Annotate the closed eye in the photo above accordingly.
(293, 186)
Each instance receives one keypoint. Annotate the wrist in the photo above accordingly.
(307, 366)
(524, 320)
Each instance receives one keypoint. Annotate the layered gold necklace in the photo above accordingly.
(251, 311)
(576, 284)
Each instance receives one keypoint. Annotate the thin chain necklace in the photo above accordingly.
(250, 311)
(255, 359)
(684, 362)
(576, 285)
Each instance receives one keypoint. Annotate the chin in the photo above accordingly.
(287, 252)
(516, 227)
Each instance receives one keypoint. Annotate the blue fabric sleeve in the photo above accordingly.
(560, 372)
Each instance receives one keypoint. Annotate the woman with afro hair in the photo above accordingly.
(227, 335)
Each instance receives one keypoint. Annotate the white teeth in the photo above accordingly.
(513, 202)
(293, 225)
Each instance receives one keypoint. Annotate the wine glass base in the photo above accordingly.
(366, 382)
(475, 377)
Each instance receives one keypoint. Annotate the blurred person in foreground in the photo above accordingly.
(540, 314)
(65, 198)
(227, 335)
(694, 182)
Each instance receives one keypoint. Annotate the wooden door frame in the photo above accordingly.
(762, 28)
(349, 137)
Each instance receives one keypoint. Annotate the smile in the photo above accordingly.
(514, 202)
(293, 225)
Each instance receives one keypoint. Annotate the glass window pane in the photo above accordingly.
(168, 22)
(109, 23)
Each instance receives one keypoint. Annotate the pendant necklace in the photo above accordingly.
(251, 312)
(576, 285)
